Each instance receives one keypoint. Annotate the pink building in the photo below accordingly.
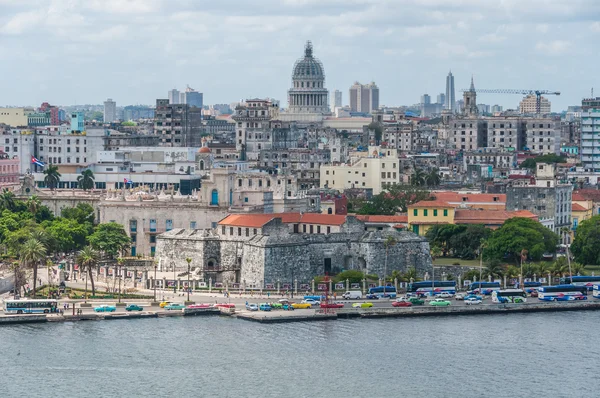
(9, 169)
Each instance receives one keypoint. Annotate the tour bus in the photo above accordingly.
(531, 286)
(562, 293)
(381, 291)
(587, 281)
(425, 287)
(596, 292)
(29, 306)
(509, 296)
(486, 287)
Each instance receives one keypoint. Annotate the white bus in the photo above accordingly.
(29, 306)
(509, 296)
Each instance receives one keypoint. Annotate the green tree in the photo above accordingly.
(83, 213)
(32, 252)
(520, 233)
(585, 247)
(394, 199)
(377, 131)
(493, 267)
(578, 269)
(33, 204)
(549, 158)
(512, 272)
(560, 267)
(353, 275)
(88, 259)
(418, 178)
(52, 177)
(7, 200)
(86, 180)
(432, 178)
(110, 238)
(411, 273)
(68, 234)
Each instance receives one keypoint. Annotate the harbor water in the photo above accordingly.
(542, 354)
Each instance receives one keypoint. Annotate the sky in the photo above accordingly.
(133, 51)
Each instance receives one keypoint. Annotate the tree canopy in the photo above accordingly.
(549, 158)
(586, 247)
(394, 199)
(83, 213)
(518, 234)
(462, 241)
(110, 238)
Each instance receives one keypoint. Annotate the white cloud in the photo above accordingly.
(555, 47)
(22, 22)
(492, 38)
(348, 31)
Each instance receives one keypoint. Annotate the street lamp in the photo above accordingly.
(174, 285)
(189, 260)
(155, 265)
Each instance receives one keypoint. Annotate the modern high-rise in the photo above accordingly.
(441, 99)
(590, 126)
(425, 99)
(174, 96)
(336, 100)
(110, 111)
(193, 97)
(364, 97)
(178, 125)
(450, 100)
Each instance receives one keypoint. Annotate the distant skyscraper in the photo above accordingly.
(425, 99)
(364, 98)
(193, 97)
(174, 96)
(450, 100)
(336, 100)
(110, 111)
(441, 99)
(529, 104)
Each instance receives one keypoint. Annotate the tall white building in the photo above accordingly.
(590, 126)
(336, 100)
(110, 111)
(450, 100)
(174, 96)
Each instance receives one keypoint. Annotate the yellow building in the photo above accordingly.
(375, 169)
(14, 117)
(425, 214)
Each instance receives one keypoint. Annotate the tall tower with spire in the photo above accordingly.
(450, 102)
(470, 99)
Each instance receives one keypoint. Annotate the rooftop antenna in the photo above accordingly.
(592, 92)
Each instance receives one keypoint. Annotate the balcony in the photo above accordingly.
(150, 230)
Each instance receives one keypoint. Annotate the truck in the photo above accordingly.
(352, 295)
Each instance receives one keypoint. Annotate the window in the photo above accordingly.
(133, 238)
(328, 230)
(304, 228)
(193, 225)
(132, 225)
(435, 212)
(231, 231)
(152, 238)
(425, 212)
(318, 229)
(239, 231)
(223, 230)
(169, 225)
(254, 231)
(415, 212)
(247, 231)
(445, 212)
(311, 229)
(152, 225)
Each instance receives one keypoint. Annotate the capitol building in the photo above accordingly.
(308, 97)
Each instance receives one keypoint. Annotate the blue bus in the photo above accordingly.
(383, 291)
(596, 293)
(25, 306)
(587, 281)
(562, 293)
(438, 287)
(531, 286)
(486, 287)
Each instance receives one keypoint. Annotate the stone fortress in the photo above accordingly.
(256, 250)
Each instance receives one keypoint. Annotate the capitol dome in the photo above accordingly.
(308, 94)
(204, 149)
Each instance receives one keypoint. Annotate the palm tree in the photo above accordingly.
(543, 268)
(389, 242)
(529, 270)
(433, 178)
(411, 273)
(86, 180)
(494, 268)
(17, 271)
(88, 258)
(560, 267)
(435, 252)
(565, 231)
(33, 204)
(511, 272)
(578, 268)
(52, 177)
(418, 178)
(32, 252)
(7, 200)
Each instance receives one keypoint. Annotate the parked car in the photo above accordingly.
(225, 305)
(440, 302)
(264, 307)
(445, 295)
(332, 305)
(362, 305)
(252, 307)
(174, 306)
(459, 296)
(134, 307)
(534, 293)
(276, 306)
(288, 307)
(416, 301)
(401, 303)
(301, 306)
(312, 302)
(164, 304)
(470, 296)
(473, 301)
(372, 296)
(105, 308)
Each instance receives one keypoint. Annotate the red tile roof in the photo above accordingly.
(259, 220)
(470, 197)
(384, 219)
(577, 207)
(498, 217)
(431, 203)
(577, 197)
(589, 194)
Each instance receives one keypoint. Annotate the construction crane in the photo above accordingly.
(538, 94)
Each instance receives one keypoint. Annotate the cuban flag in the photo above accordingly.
(35, 160)
(127, 181)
